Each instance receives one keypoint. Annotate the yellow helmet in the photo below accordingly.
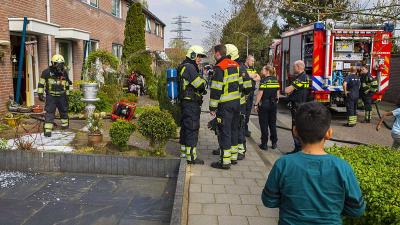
(57, 59)
(232, 51)
(196, 51)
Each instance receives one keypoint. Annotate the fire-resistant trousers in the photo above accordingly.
(53, 103)
(190, 125)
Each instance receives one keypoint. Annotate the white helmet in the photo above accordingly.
(196, 51)
(232, 51)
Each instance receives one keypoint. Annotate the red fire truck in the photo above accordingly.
(329, 49)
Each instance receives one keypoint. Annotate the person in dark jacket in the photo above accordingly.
(54, 82)
(298, 92)
(351, 88)
(225, 106)
(369, 86)
(192, 88)
(266, 106)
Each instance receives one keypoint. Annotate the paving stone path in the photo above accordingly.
(219, 197)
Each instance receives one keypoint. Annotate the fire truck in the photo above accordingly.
(329, 49)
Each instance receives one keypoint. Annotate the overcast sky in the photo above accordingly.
(196, 11)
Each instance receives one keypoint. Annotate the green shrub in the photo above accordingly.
(152, 87)
(157, 126)
(120, 132)
(130, 97)
(75, 103)
(3, 144)
(108, 95)
(377, 169)
(165, 102)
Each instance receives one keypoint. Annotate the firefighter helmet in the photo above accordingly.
(196, 51)
(232, 51)
(57, 59)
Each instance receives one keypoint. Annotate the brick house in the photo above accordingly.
(71, 28)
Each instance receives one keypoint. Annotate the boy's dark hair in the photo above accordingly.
(221, 49)
(312, 122)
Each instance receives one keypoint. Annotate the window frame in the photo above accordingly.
(148, 24)
(89, 2)
(119, 48)
(119, 10)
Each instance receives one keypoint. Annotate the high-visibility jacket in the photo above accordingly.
(225, 85)
(246, 84)
(369, 85)
(270, 87)
(192, 85)
(54, 83)
(251, 70)
(301, 88)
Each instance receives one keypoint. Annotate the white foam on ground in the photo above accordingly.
(58, 142)
(9, 179)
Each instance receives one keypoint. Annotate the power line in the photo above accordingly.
(179, 22)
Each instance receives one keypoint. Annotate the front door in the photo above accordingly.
(64, 48)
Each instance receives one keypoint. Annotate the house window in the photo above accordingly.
(157, 31)
(116, 8)
(148, 25)
(94, 3)
(117, 50)
(90, 46)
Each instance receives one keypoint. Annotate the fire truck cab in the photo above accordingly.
(329, 49)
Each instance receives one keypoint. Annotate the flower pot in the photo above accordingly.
(89, 90)
(12, 122)
(37, 109)
(95, 139)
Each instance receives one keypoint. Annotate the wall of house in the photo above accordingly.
(99, 22)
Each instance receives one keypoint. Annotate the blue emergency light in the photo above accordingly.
(319, 26)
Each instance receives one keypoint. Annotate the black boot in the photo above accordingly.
(263, 147)
(47, 134)
(219, 165)
(216, 152)
(274, 146)
(248, 133)
(234, 162)
(196, 161)
(241, 156)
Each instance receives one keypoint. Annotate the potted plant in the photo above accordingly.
(89, 85)
(12, 120)
(95, 123)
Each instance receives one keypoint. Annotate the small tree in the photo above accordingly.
(134, 53)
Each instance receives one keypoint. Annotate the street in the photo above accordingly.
(363, 132)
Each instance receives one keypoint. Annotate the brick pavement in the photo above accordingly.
(219, 197)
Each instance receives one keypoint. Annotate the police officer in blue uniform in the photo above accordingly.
(298, 92)
(266, 106)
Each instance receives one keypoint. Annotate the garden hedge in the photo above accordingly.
(378, 171)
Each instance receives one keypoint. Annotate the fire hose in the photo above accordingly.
(332, 139)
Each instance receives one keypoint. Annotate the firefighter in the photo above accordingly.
(246, 87)
(54, 82)
(249, 64)
(192, 88)
(298, 92)
(225, 105)
(369, 86)
(351, 87)
(268, 94)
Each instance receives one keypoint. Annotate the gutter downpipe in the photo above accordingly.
(48, 15)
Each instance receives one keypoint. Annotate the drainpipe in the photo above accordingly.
(48, 15)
